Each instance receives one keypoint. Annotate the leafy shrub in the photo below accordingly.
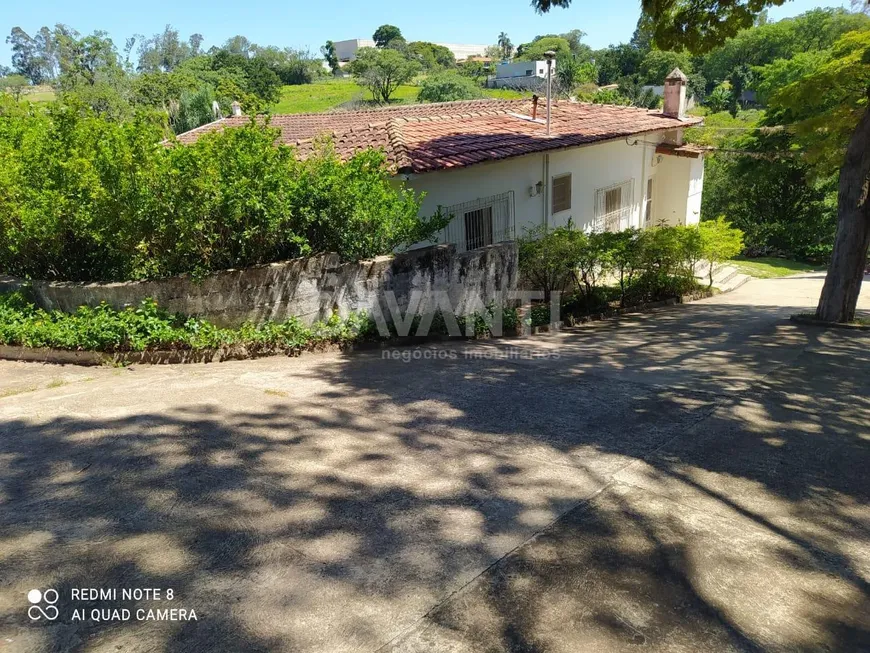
(192, 109)
(546, 259)
(147, 327)
(720, 99)
(447, 87)
(641, 266)
(85, 199)
(719, 241)
(625, 261)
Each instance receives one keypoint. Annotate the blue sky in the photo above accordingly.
(310, 23)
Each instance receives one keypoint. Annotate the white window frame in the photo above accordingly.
(648, 207)
(618, 219)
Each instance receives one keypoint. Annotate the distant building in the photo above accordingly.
(520, 74)
(464, 51)
(346, 50)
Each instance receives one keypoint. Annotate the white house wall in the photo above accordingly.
(680, 192)
(449, 187)
(678, 183)
(696, 188)
(601, 166)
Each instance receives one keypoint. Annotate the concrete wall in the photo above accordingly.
(346, 50)
(312, 288)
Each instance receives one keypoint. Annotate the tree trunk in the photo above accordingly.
(846, 272)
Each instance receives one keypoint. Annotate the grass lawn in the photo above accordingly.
(325, 95)
(328, 94)
(42, 93)
(770, 268)
(504, 93)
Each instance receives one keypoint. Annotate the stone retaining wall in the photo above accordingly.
(310, 288)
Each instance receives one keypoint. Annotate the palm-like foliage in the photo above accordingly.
(505, 44)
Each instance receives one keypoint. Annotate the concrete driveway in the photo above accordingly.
(694, 479)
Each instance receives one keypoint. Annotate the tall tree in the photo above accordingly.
(195, 43)
(25, 56)
(693, 24)
(238, 45)
(165, 51)
(328, 52)
(575, 41)
(382, 71)
(386, 33)
(507, 48)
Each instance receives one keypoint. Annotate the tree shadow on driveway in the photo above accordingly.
(690, 480)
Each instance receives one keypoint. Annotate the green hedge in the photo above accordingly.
(147, 327)
(86, 199)
(639, 266)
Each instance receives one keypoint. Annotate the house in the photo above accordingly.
(521, 74)
(346, 50)
(492, 165)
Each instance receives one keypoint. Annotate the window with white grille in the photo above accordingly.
(647, 202)
(480, 222)
(561, 193)
(613, 207)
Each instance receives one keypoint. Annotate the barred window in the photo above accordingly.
(613, 206)
(480, 222)
(478, 228)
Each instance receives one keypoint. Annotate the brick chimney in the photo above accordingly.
(675, 94)
(237, 108)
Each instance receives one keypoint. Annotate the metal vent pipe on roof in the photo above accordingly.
(549, 55)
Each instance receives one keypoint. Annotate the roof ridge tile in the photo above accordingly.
(398, 146)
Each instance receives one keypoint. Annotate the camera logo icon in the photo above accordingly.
(42, 605)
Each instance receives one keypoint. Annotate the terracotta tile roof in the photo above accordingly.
(426, 137)
(300, 126)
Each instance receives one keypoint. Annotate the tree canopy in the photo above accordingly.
(382, 71)
(448, 86)
(386, 33)
(535, 51)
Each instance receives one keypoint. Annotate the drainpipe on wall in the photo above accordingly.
(546, 193)
(643, 187)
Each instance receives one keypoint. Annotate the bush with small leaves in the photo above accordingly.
(448, 86)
